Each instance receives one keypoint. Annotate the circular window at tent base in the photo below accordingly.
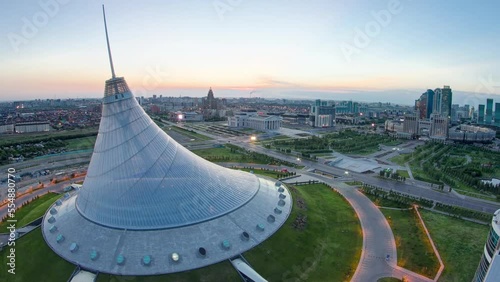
(271, 219)
(245, 236)
(202, 252)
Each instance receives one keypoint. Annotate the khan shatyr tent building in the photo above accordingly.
(149, 206)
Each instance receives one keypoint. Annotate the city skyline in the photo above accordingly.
(290, 51)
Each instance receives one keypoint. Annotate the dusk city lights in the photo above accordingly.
(235, 140)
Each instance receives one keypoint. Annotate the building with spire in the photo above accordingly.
(149, 206)
(211, 102)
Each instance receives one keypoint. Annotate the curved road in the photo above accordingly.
(48, 188)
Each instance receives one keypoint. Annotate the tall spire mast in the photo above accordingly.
(107, 40)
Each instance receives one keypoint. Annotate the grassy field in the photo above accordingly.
(327, 249)
(414, 249)
(12, 139)
(35, 261)
(388, 279)
(225, 155)
(186, 132)
(399, 159)
(403, 173)
(268, 173)
(381, 202)
(459, 242)
(81, 143)
(32, 211)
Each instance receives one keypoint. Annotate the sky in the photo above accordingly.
(366, 50)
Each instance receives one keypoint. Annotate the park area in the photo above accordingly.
(32, 210)
(414, 249)
(459, 242)
(233, 154)
(346, 142)
(462, 167)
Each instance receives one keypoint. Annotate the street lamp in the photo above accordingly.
(253, 138)
(298, 159)
(346, 173)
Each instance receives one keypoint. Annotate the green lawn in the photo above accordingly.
(414, 249)
(388, 279)
(476, 194)
(268, 173)
(12, 139)
(186, 132)
(399, 159)
(81, 143)
(327, 249)
(225, 155)
(403, 173)
(35, 261)
(459, 242)
(32, 211)
(419, 174)
(381, 202)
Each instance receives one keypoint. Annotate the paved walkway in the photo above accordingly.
(409, 170)
(379, 254)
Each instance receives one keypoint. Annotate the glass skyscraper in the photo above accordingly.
(489, 111)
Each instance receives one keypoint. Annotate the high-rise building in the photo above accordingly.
(497, 114)
(480, 114)
(442, 101)
(467, 111)
(344, 107)
(489, 111)
(430, 102)
(424, 104)
(322, 114)
(455, 109)
(355, 108)
(439, 126)
(421, 106)
(489, 265)
(410, 124)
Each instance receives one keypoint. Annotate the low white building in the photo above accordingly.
(250, 119)
(7, 128)
(470, 133)
(27, 127)
(192, 116)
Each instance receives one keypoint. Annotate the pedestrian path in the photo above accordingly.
(379, 253)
